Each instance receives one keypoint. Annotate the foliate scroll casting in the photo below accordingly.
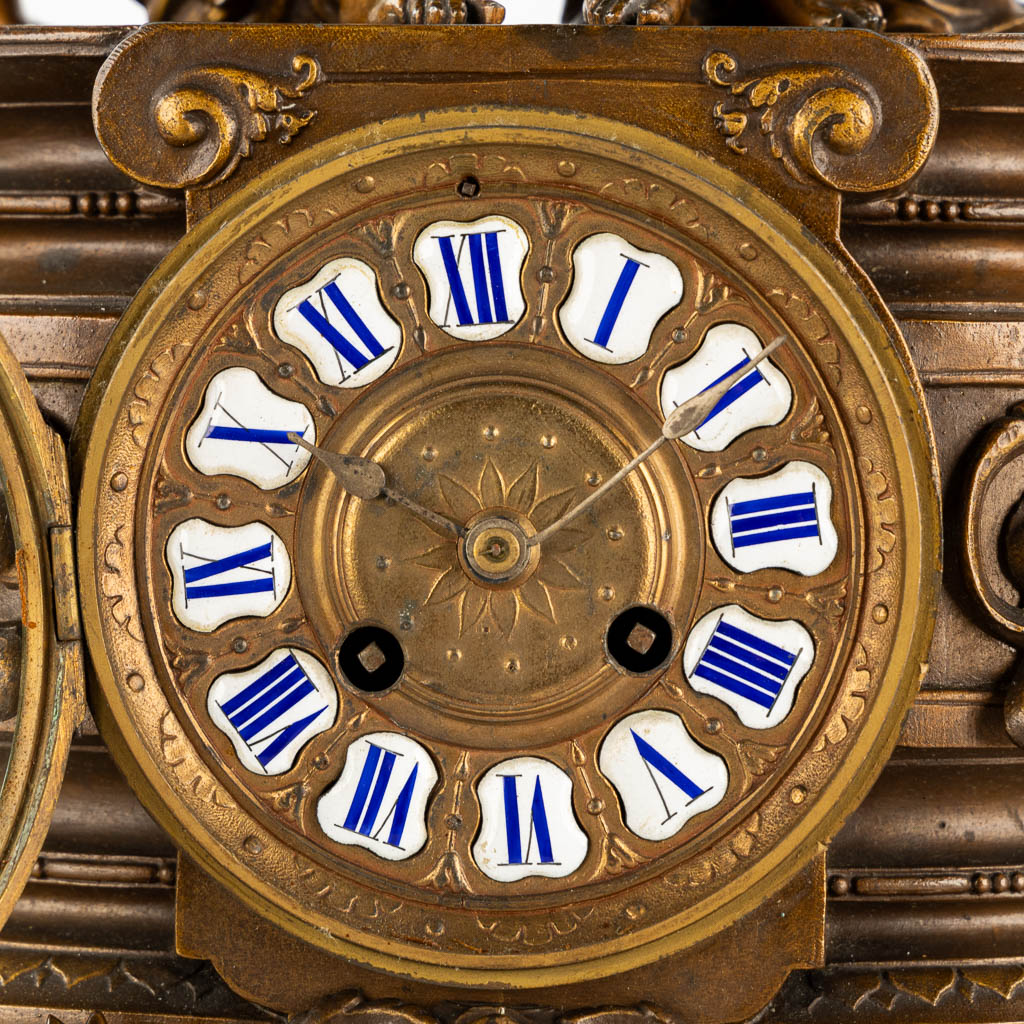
(822, 122)
(206, 120)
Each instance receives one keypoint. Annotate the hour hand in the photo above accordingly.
(366, 479)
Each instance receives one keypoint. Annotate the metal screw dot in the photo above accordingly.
(606, 593)
(491, 433)
(595, 805)
(798, 794)
(429, 453)
(469, 188)
(545, 275)
(679, 335)
(401, 290)
(512, 665)
(197, 299)
(593, 479)
(240, 645)
(840, 886)
(615, 533)
(252, 846)
(321, 762)
(223, 502)
(569, 642)
(880, 613)
(453, 654)
(383, 563)
(775, 594)
(364, 185)
(863, 414)
(566, 168)
(759, 455)
(118, 482)
(712, 725)
(135, 682)
(549, 440)
(285, 370)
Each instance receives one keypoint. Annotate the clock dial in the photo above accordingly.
(481, 750)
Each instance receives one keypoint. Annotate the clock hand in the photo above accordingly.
(681, 421)
(365, 479)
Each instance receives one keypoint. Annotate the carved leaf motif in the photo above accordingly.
(1002, 979)
(884, 513)
(758, 758)
(555, 573)
(187, 664)
(447, 875)
(537, 598)
(442, 557)
(474, 604)
(852, 702)
(617, 855)
(14, 965)
(929, 985)
(560, 924)
(492, 487)
(828, 601)
(523, 492)
(852, 988)
(811, 428)
(642, 1014)
(353, 1006)
(505, 609)
(449, 585)
(462, 503)
(566, 540)
(548, 510)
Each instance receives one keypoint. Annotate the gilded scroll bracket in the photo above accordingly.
(822, 122)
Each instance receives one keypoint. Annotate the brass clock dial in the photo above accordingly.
(457, 754)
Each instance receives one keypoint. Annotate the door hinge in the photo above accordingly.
(65, 587)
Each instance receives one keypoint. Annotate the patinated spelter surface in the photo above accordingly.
(924, 916)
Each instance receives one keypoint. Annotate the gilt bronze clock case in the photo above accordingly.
(504, 415)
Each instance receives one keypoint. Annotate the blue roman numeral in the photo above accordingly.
(364, 812)
(238, 431)
(745, 664)
(655, 761)
(611, 312)
(259, 712)
(737, 391)
(264, 577)
(538, 824)
(488, 282)
(346, 350)
(769, 520)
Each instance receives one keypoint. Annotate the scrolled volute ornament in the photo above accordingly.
(205, 120)
(822, 122)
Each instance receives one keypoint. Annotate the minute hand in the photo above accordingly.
(681, 421)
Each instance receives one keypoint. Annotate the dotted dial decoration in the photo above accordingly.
(434, 748)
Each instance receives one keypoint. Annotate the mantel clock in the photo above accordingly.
(349, 647)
